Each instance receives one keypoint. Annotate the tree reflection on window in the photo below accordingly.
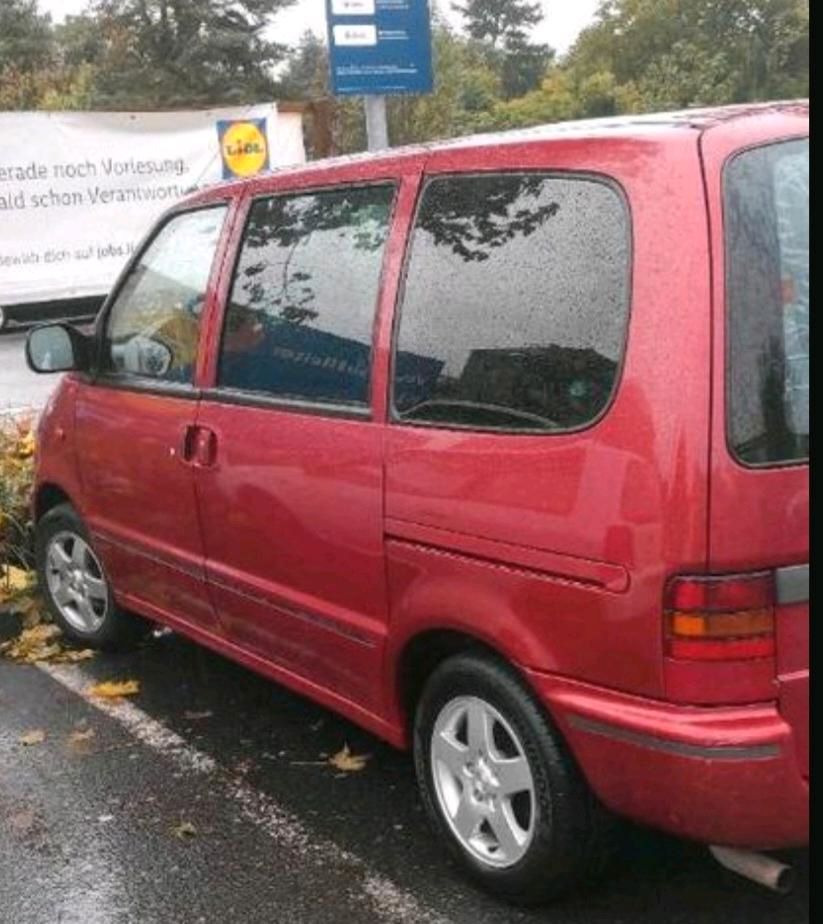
(516, 303)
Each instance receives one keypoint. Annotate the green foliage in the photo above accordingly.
(16, 477)
(649, 55)
(691, 52)
(33, 71)
(185, 52)
(466, 89)
(26, 40)
(501, 23)
(306, 74)
(499, 30)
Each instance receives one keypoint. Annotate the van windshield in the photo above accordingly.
(767, 239)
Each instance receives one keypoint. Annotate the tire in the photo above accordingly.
(75, 587)
(560, 832)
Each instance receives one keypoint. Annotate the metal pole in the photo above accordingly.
(377, 124)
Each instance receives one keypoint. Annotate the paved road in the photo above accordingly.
(87, 829)
(20, 388)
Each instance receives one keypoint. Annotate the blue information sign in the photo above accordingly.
(379, 47)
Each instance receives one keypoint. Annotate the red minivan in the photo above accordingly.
(497, 447)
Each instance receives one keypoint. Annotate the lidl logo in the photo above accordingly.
(244, 147)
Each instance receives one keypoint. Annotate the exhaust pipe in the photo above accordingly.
(757, 867)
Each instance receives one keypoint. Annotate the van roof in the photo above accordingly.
(629, 126)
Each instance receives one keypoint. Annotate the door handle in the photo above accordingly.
(198, 447)
(186, 449)
(205, 448)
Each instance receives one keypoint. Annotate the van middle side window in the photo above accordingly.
(516, 303)
(301, 314)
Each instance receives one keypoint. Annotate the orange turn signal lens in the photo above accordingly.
(743, 624)
(721, 618)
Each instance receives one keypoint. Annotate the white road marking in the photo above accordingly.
(389, 901)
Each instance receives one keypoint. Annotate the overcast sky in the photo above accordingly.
(564, 18)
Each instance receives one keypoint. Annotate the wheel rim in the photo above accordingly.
(483, 782)
(76, 582)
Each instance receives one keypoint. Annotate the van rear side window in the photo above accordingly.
(516, 304)
(767, 240)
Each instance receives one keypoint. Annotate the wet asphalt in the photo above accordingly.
(90, 831)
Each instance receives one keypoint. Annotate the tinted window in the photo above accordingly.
(153, 328)
(516, 303)
(303, 301)
(767, 228)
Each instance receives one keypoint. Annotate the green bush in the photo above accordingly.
(16, 477)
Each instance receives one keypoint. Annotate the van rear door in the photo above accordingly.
(758, 175)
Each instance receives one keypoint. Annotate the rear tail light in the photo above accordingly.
(721, 618)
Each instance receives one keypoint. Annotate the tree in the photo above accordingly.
(686, 52)
(466, 89)
(501, 28)
(306, 75)
(647, 55)
(186, 52)
(80, 41)
(26, 39)
(501, 23)
(33, 73)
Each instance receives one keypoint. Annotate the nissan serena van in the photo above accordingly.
(499, 448)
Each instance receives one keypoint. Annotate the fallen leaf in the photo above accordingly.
(75, 656)
(42, 643)
(114, 689)
(347, 762)
(36, 736)
(13, 581)
(82, 735)
(80, 741)
(27, 445)
(185, 830)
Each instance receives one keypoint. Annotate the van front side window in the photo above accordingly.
(300, 319)
(153, 328)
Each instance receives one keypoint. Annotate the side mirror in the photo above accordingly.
(57, 348)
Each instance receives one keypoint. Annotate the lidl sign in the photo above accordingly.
(244, 147)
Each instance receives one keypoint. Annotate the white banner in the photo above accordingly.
(79, 190)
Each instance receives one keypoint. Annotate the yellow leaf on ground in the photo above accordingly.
(82, 735)
(26, 446)
(75, 655)
(32, 645)
(115, 689)
(80, 740)
(42, 643)
(184, 830)
(37, 736)
(346, 762)
(13, 581)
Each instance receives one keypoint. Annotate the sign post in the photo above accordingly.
(377, 123)
(379, 48)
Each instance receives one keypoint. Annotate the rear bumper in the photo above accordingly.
(726, 776)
